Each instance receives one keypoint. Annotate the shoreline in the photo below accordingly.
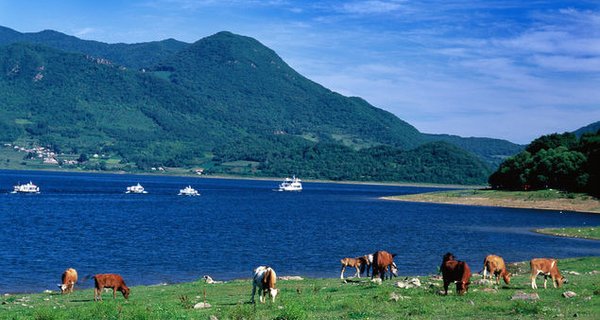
(507, 199)
(275, 179)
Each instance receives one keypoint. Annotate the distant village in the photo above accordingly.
(48, 156)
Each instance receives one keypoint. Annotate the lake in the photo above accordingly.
(87, 222)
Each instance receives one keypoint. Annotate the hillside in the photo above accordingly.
(135, 56)
(225, 103)
(590, 128)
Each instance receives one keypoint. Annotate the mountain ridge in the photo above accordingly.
(194, 106)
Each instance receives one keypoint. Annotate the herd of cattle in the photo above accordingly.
(380, 263)
(454, 271)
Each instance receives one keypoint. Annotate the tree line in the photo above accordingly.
(558, 161)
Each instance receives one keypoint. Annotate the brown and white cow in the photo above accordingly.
(113, 281)
(264, 279)
(69, 278)
(382, 260)
(495, 266)
(547, 267)
(353, 263)
(457, 272)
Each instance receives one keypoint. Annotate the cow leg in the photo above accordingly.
(342, 274)
(114, 293)
(446, 284)
(485, 272)
(368, 269)
(357, 274)
(545, 280)
(253, 291)
(554, 281)
(263, 296)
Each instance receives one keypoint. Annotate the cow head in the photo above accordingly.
(506, 277)
(462, 287)
(273, 292)
(125, 291)
(62, 287)
(394, 269)
(560, 280)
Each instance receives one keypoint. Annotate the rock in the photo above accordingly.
(409, 283)
(436, 278)
(296, 278)
(48, 291)
(569, 294)
(471, 302)
(575, 273)
(213, 317)
(489, 290)
(376, 280)
(525, 296)
(202, 305)
(594, 272)
(394, 296)
(442, 293)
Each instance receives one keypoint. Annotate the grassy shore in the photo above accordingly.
(328, 299)
(584, 233)
(542, 199)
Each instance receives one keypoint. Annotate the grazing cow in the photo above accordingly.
(455, 271)
(113, 281)
(367, 263)
(352, 262)
(382, 260)
(547, 267)
(264, 278)
(496, 267)
(69, 278)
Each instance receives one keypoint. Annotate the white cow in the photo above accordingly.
(264, 278)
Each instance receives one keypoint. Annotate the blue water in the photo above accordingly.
(85, 221)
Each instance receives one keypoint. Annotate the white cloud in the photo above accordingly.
(371, 7)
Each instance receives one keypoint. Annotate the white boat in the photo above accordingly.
(26, 188)
(291, 184)
(136, 189)
(188, 191)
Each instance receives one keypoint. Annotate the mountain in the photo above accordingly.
(226, 103)
(136, 56)
(590, 128)
(492, 151)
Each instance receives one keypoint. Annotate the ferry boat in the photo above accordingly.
(136, 189)
(26, 188)
(291, 184)
(188, 191)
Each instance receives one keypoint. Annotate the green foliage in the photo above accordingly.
(225, 95)
(558, 161)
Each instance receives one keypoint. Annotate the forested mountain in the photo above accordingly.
(225, 103)
(136, 56)
(590, 128)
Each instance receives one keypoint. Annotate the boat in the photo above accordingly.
(136, 189)
(188, 191)
(26, 188)
(291, 184)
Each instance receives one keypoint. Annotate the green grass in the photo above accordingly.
(586, 233)
(325, 299)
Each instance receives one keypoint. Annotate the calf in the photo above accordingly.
(547, 267)
(69, 278)
(457, 272)
(382, 260)
(113, 281)
(495, 266)
(352, 262)
(264, 279)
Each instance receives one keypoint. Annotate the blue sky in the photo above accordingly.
(504, 69)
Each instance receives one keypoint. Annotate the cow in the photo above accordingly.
(496, 267)
(547, 267)
(367, 263)
(455, 271)
(113, 281)
(354, 263)
(69, 278)
(382, 260)
(264, 279)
